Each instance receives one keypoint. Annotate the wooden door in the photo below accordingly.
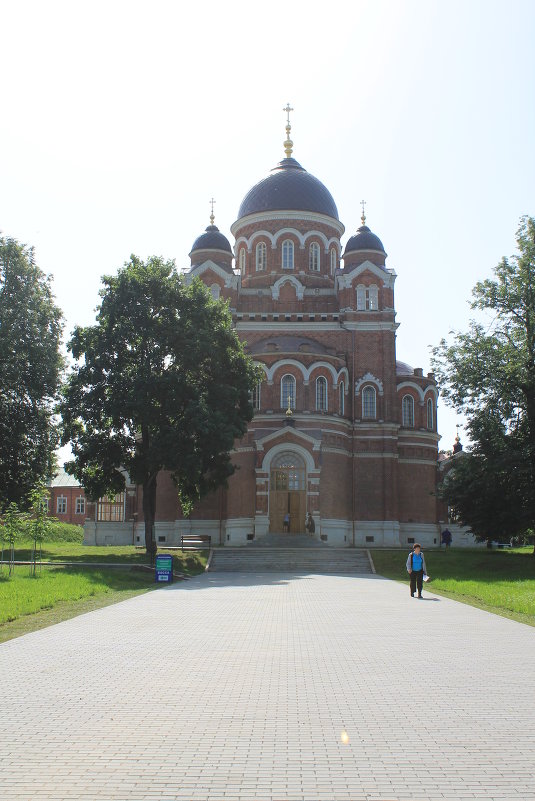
(297, 512)
(278, 508)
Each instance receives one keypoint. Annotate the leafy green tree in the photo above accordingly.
(161, 383)
(489, 374)
(487, 487)
(30, 372)
(12, 526)
(39, 524)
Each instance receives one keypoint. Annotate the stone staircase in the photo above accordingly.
(286, 559)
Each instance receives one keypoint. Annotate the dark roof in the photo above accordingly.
(402, 368)
(212, 239)
(364, 239)
(289, 186)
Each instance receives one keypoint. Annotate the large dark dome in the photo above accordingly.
(288, 187)
(212, 239)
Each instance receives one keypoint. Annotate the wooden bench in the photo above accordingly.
(196, 542)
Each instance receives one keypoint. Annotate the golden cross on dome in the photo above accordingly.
(288, 144)
(363, 217)
(287, 110)
(212, 218)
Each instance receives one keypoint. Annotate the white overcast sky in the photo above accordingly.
(120, 120)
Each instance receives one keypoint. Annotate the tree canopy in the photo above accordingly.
(30, 372)
(161, 382)
(489, 374)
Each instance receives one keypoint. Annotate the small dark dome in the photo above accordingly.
(364, 239)
(289, 186)
(212, 239)
(402, 368)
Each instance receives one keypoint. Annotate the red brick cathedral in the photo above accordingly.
(341, 429)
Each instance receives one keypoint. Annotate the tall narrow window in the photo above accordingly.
(369, 403)
(287, 255)
(341, 391)
(61, 505)
(333, 260)
(314, 257)
(367, 298)
(255, 399)
(242, 261)
(430, 424)
(261, 256)
(321, 394)
(215, 291)
(288, 392)
(110, 509)
(80, 505)
(407, 411)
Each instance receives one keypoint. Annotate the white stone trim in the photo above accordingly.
(289, 446)
(288, 326)
(306, 371)
(387, 277)
(279, 432)
(378, 455)
(299, 288)
(369, 378)
(197, 270)
(411, 385)
(287, 214)
(432, 463)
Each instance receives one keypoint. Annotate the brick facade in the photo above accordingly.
(322, 326)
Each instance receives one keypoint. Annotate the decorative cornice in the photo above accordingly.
(369, 378)
(231, 280)
(287, 214)
(346, 279)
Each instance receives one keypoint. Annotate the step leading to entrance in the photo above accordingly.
(293, 560)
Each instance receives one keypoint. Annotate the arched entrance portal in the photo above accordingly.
(287, 492)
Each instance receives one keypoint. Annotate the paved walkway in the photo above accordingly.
(238, 687)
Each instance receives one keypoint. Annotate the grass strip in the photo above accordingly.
(502, 582)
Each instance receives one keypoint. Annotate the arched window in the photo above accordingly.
(288, 391)
(407, 411)
(215, 291)
(341, 392)
(369, 403)
(255, 396)
(314, 257)
(367, 298)
(287, 255)
(333, 260)
(321, 394)
(242, 261)
(261, 256)
(288, 472)
(430, 423)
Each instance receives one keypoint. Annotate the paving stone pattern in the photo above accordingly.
(233, 686)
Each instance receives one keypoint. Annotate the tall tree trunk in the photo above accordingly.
(149, 514)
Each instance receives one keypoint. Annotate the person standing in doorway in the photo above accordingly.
(310, 525)
(416, 569)
(286, 523)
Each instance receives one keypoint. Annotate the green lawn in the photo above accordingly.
(186, 562)
(56, 593)
(501, 581)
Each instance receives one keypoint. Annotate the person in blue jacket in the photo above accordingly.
(416, 569)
